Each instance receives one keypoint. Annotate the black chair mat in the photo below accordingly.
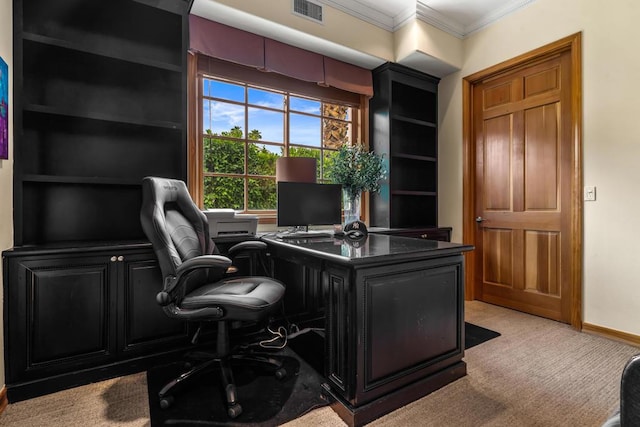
(266, 401)
(474, 335)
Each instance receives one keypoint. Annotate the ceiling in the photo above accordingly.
(457, 17)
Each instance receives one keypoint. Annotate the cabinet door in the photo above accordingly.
(143, 325)
(59, 315)
(304, 297)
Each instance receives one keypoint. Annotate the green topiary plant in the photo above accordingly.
(357, 169)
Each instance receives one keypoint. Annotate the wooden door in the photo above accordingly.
(523, 188)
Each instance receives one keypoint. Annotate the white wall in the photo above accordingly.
(611, 139)
(6, 166)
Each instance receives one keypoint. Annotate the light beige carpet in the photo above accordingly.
(538, 373)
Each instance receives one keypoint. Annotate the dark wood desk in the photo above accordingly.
(394, 317)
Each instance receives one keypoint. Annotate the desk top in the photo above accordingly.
(374, 248)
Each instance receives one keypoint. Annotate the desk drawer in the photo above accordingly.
(434, 233)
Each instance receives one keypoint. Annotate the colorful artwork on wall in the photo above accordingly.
(4, 110)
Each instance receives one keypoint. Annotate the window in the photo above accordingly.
(245, 127)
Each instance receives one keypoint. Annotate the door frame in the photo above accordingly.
(573, 44)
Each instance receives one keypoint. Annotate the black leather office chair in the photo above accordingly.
(196, 287)
(629, 412)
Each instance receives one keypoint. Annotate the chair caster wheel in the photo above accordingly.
(281, 373)
(234, 410)
(166, 402)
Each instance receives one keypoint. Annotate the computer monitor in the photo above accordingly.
(304, 204)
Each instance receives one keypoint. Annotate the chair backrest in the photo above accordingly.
(175, 226)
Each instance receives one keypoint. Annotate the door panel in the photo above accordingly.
(541, 157)
(523, 188)
(497, 158)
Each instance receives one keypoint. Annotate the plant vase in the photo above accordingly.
(351, 205)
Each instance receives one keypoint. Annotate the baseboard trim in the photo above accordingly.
(4, 400)
(613, 334)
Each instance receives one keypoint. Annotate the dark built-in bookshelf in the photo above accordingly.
(403, 120)
(100, 102)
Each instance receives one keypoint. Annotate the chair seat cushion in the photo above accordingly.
(241, 298)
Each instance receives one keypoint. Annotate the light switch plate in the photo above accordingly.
(589, 193)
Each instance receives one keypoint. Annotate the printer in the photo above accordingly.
(226, 222)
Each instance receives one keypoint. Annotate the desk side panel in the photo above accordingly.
(411, 323)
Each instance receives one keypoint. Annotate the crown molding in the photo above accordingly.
(370, 15)
(424, 13)
(438, 20)
(496, 15)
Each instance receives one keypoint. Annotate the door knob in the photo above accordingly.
(479, 219)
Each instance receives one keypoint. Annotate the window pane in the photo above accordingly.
(268, 124)
(262, 159)
(205, 87)
(223, 156)
(327, 164)
(308, 152)
(335, 133)
(222, 192)
(226, 119)
(336, 111)
(226, 91)
(304, 105)
(206, 115)
(265, 98)
(262, 194)
(304, 130)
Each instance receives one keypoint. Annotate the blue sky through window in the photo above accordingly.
(219, 116)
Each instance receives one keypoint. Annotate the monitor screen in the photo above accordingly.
(304, 203)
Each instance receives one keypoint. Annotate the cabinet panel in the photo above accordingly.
(415, 308)
(84, 294)
(145, 324)
(420, 322)
(59, 313)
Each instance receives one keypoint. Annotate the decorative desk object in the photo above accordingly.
(358, 170)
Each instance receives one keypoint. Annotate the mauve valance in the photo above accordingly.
(241, 47)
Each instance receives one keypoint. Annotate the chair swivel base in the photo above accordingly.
(234, 409)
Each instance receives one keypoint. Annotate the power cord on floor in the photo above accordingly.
(272, 343)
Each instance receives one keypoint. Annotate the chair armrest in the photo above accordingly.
(203, 261)
(190, 265)
(248, 246)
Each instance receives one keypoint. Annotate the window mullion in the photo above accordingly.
(246, 148)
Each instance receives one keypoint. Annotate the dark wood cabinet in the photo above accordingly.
(403, 127)
(76, 315)
(99, 103)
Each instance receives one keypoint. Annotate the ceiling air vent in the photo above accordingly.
(308, 9)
